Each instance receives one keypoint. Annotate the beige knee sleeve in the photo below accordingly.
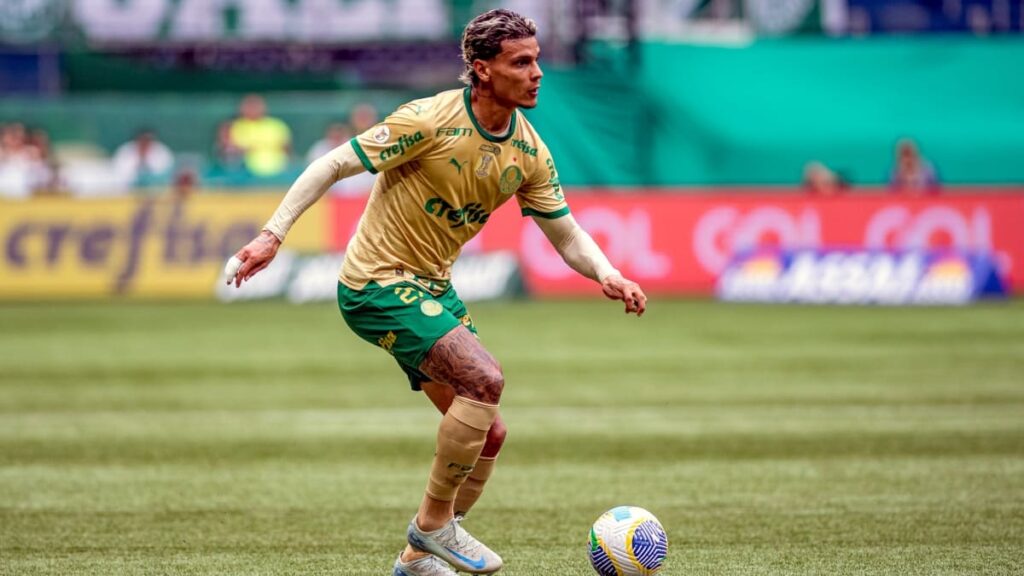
(471, 490)
(460, 438)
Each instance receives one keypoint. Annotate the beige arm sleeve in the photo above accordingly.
(577, 248)
(339, 163)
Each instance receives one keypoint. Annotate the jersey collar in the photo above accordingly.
(466, 97)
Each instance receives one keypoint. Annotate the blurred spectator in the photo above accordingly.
(819, 180)
(337, 134)
(39, 139)
(363, 117)
(912, 173)
(184, 184)
(50, 181)
(229, 158)
(24, 166)
(143, 160)
(265, 141)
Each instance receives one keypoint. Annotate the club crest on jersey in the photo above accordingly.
(511, 178)
(431, 307)
(382, 134)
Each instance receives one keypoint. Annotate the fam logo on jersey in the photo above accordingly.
(381, 134)
(511, 178)
(453, 132)
(405, 142)
(472, 213)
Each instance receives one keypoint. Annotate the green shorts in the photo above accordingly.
(403, 319)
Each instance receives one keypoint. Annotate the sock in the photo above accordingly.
(460, 439)
(471, 490)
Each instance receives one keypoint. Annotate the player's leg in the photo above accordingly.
(423, 334)
(442, 396)
(460, 361)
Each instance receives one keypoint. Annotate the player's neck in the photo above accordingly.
(492, 115)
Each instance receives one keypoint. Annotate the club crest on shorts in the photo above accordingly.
(431, 307)
(381, 134)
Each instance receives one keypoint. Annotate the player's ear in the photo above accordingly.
(483, 70)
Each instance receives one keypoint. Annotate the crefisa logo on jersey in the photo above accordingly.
(405, 142)
(472, 213)
(381, 134)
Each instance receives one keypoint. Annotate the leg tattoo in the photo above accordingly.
(459, 360)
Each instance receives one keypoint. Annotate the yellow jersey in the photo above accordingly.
(441, 176)
(265, 142)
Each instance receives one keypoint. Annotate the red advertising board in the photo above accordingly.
(679, 242)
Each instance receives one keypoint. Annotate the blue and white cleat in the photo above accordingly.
(454, 545)
(426, 566)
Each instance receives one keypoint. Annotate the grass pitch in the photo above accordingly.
(267, 439)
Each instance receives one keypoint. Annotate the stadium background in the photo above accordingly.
(148, 427)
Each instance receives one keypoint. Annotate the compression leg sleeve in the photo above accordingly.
(460, 439)
(470, 492)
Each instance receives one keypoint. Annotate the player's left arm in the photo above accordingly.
(583, 255)
(540, 196)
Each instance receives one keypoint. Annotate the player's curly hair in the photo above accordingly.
(484, 34)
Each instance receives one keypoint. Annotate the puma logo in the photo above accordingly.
(457, 165)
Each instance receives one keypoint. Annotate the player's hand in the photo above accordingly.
(618, 288)
(253, 257)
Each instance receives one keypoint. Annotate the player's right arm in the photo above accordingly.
(401, 137)
(339, 163)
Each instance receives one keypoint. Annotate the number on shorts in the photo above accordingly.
(408, 294)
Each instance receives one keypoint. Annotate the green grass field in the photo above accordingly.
(267, 439)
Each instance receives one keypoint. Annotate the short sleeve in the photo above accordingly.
(400, 138)
(541, 194)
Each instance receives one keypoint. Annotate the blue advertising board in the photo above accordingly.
(886, 277)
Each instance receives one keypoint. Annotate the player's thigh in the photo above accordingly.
(461, 361)
(403, 319)
(441, 395)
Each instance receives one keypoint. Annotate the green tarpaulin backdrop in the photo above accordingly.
(689, 114)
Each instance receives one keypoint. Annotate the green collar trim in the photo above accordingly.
(487, 135)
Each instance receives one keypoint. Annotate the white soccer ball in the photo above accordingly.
(627, 541)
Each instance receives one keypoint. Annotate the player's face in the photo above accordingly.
(515, 74)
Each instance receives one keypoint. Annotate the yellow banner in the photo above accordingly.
(135, 247)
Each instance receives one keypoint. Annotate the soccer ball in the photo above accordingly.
(627, 541)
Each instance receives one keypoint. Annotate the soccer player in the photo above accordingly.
(444, 164)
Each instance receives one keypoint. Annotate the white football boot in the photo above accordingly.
(426, 566)
(454, 545)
